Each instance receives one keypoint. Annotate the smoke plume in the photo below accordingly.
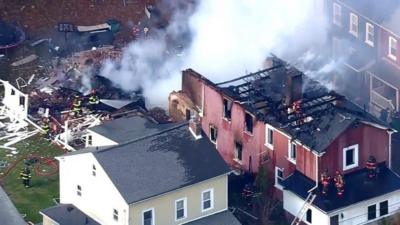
(221, 39)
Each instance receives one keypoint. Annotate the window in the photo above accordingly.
(278, 177)
(12, 92)
(334, 220)
(227, 108)
(148, 217)
(383, 208)
(292, 152)
(371, 212)
(207, 200)
(337, 14)
(90, 140)
(93, 170)
(392, 48)
(369, 34)
(248, 119)
(309, 216)
(115, 215)
(350, 157)
(354, 24)
(269, 137)
(79, 190)
(180, 209)
(188, 114)
(238, 151)
(213, 134)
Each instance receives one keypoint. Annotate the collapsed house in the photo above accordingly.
(302, 133)
(160, 174)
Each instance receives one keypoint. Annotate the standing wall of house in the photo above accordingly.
(164, 205)
(233, 130)
(378, 146)
(91, 198)
(384, 36)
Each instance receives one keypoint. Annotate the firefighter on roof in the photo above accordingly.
(46, 127)
(76, 105)
(371, 167)
(339, 183)
(26, 176)
(325, 180)
(93, 100)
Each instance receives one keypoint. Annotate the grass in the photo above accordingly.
(44, 189)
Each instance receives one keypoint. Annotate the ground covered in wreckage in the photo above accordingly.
(45, 182)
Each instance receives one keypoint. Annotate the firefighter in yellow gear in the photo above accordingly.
(76, 106)
(93, 100)
(26, 177)
(46, 127)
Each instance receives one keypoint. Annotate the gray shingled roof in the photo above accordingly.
(222, 218)
(160, 163)
(129, 128)
(67, 214)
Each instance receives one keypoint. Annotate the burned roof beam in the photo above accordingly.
(249, 75)
(315, 105)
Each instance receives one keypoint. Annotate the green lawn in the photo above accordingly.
(44, 188)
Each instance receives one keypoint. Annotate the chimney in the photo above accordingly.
(293, 86)
(195, 127)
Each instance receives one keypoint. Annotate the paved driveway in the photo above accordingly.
(8, 213)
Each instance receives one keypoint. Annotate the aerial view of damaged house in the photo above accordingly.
(330, 159)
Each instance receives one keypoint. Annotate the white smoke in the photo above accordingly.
(228, 39)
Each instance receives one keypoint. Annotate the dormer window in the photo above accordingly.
(354, 24)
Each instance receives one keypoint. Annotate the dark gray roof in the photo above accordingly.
(67, 214)
(378, 11)
(129, 128)
(357, 188)
(222, 218)
(160, 163)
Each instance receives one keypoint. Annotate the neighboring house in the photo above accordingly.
(160, 177)
(366, 34)
(295, 128)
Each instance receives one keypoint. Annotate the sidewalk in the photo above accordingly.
(8, 213)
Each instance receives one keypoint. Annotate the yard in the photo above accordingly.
(45, 182)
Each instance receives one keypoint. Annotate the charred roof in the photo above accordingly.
(284, 97)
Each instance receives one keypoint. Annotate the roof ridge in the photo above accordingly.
(143, 137)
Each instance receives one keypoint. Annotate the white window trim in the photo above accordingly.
(377, 216)
(353, 18)
(267, 144)
(277, 185)
(184, 209)
(394, 57)
(337, 8)
(369, 27)
(117, 214)
(153, 221)
(236, 159)
(211, 190)
(355, 147)
(290, 150)
(216, 138)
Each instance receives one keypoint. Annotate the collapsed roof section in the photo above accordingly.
(284, 97)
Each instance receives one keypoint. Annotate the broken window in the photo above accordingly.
(249, 122)
(188, 114)
(238, 151)
(227, 108)
(213, 134)
(393, 48)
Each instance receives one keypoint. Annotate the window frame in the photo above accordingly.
(227, 112)
(387, 208)
(153, 217)
(90, 140)
(248, 127)
(269, 141)
(115, 214)
(211, 134)
(355, 156)
(368, 27)
(309, 221)
(211, 190)
(292, 144)
(277, 184)
(390, 55)
(368, 213)
(184, 209)
(236, 153)
(337, 11)
(94, 170)
(353, 21)
(79, 190)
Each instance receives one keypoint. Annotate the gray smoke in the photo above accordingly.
(222, 39)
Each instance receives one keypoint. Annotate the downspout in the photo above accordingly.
(316, 174)
(202, 100)
(390, 132)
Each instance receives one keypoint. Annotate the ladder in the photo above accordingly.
(307, 203)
